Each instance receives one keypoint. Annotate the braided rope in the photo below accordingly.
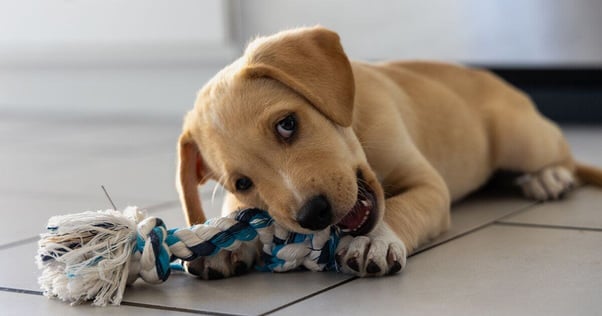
(93, 255)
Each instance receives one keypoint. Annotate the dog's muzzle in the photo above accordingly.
(362, 217)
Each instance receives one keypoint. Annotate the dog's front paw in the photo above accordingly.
(225, 263)
(367, 256)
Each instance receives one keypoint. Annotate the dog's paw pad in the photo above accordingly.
(372, 267)
(353, 264)
(395, 267)
(550, 183)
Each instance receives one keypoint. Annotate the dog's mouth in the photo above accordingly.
(361, 218)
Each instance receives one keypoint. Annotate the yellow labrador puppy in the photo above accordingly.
(381, 150)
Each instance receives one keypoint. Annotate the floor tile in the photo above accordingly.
(500, 270)
(581, 209)
(172, 215)
(128, 179)
(89, 136)
(29, 214)
(35, 193)
(32, 210)
(17, 304)
(252, 294)
(481, 209)
(586, 143)
(11, 129)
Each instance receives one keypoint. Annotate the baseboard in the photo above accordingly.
(563, 94)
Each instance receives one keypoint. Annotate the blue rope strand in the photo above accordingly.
(249, 221)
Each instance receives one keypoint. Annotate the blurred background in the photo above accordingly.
(106, 57)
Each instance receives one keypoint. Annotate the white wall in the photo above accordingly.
(151, 56)
(498, 32)
(109, 31)
(125, 57)
(182, 31)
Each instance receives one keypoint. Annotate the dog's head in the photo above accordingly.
(274, 128)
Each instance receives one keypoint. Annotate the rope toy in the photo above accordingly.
(94, 255)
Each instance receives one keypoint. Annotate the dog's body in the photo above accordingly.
(379, 149)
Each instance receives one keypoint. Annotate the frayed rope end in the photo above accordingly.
(86, 256)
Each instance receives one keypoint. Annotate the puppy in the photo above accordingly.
(381, 150)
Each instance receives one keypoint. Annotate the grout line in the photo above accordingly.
(548, 226)
(522, 209)
(470, 231)
(125, 303)
(309, 296)
(176, 309)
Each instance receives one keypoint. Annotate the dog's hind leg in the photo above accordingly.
(551, 183)
(526, 142)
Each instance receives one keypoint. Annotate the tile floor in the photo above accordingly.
(503, 256)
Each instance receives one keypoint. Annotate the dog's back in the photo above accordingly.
(446, 110)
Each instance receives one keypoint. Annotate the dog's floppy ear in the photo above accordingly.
(310, 61)
(190, 174)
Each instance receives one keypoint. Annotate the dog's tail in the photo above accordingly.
(589, 175)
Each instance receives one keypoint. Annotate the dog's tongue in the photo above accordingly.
(357, 216)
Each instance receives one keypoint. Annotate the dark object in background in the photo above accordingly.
(565, 95)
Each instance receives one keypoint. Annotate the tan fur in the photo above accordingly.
(589, 174)
(423, 134)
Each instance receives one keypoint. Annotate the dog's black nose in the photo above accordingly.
(316, 214)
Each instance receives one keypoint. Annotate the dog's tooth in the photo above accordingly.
(365, 203)
(363, 221)
(345, 230)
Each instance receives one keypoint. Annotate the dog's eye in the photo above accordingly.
(243, 184)
(287, 126)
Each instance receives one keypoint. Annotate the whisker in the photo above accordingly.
(362, 191)
(216, 187)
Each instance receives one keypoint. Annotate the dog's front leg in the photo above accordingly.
(417, 213)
